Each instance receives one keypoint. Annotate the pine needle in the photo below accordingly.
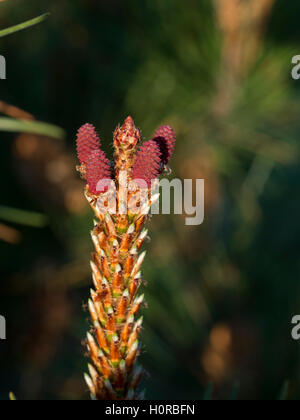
(24, 25)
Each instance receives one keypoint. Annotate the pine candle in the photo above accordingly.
(113, 341)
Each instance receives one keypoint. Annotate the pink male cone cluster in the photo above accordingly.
(165, 139)
(113, 342)
(147, 165)
(97, 168)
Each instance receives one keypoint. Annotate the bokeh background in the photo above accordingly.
(220, 296)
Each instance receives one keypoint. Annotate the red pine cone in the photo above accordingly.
(166, 139)
(87, 141)
(147, 165)
(97, 169)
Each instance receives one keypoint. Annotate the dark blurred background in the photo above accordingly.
(220, 296)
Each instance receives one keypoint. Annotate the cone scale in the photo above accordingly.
(115, 300)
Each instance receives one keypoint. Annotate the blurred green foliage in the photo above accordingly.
(222, 295)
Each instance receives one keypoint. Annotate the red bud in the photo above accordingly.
(147, 165)
(165, 138)
(87, 141)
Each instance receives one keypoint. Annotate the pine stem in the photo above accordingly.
(113, 341)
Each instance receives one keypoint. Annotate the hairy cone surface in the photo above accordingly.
(165, 138)
(87, 141)
(147, 165)
(97, 169)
